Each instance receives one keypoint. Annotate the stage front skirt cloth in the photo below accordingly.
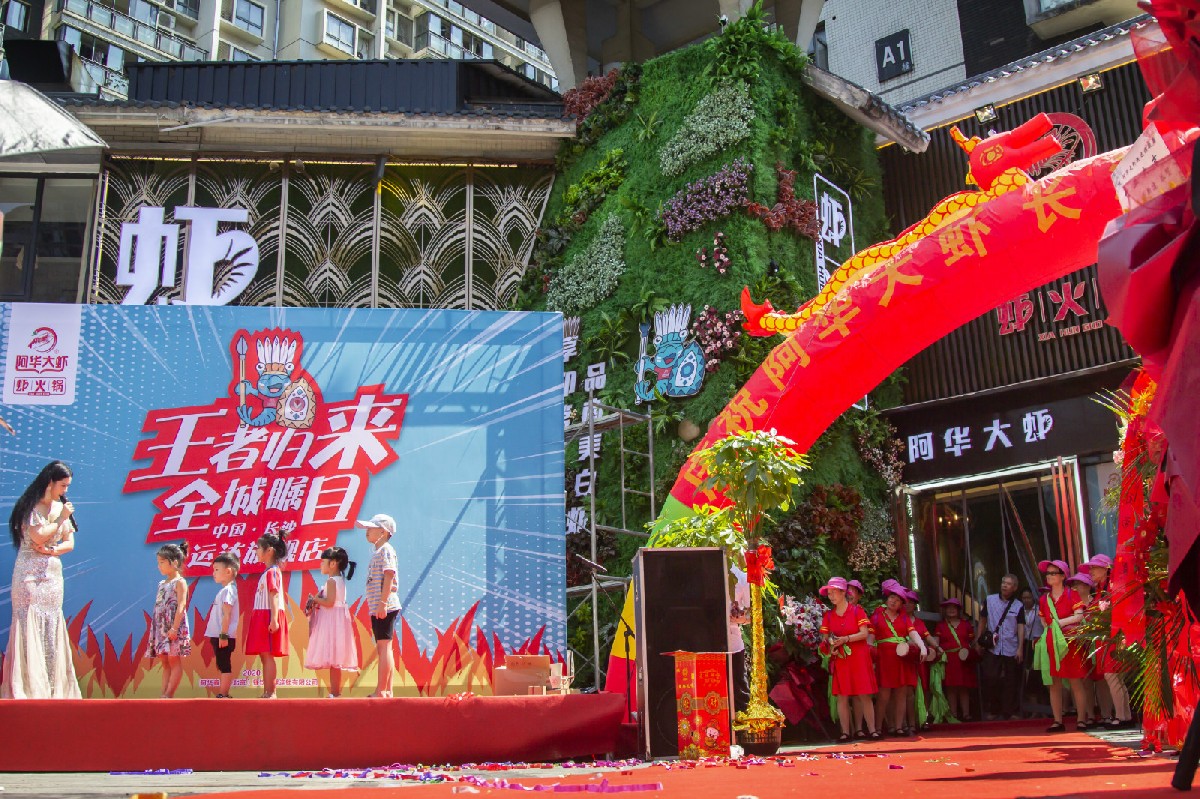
(263, 735)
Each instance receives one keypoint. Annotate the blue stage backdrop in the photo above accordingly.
(216, 424)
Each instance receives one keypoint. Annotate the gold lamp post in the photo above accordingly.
(755, 471)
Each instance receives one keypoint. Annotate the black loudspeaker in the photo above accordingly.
(681, 602)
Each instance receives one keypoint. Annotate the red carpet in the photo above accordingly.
(969, 762)
(292, 734)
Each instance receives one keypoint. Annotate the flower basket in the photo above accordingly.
(761, 743)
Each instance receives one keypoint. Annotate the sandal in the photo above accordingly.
(875, 736)
(860, 736)
(844, 738)
(1082, 726)
(1056, 727)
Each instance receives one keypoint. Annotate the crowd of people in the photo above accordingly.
(38, 662)
(889, 670)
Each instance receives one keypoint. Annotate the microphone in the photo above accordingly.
(74, 521)
(591, 563)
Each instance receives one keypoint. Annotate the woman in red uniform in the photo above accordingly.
(911, 602)
(845, 630)
(1061, 611)
(897, 673)
(1099, 568)
(955, 634)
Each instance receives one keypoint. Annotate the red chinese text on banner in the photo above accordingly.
(270, 457)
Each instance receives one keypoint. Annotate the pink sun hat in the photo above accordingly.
(893, 587)
(838, 583)
(857, 586)
(1097, 561)
(1086, 579)
(952, 601)
(1062, 566)
(911, 595)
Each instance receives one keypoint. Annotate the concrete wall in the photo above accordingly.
(853, 26)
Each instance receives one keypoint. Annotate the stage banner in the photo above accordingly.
(215, 425)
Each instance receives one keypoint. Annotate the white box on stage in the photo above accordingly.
(520, 673)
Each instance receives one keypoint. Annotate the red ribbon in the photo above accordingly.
(758, 563)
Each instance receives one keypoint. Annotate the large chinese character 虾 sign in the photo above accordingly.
(271, 456)
(218, 265)
(214, 425)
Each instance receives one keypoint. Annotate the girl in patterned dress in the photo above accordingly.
(331, 642)
(266, 634)
(170, 638)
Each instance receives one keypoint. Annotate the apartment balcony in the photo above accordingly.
(152, 42)
(111, 83)
(1051, 18)
(430, 45)
(362, 11)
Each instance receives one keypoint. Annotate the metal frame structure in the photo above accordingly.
(611, 419)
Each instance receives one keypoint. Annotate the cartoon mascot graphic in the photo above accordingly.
(285, 392)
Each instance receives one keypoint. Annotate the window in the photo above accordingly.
(43, 237)
(18, 15)
(238, 54)
(189, 7)
(818, 51)
(92, 49)
(249, 16)
(339, 33)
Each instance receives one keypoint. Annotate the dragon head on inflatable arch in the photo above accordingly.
(997, 165)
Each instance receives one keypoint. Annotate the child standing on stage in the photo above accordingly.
(383, 598)
(955, 635)
(852, 678)
(331, 631)
(267, 635)
(897, 673)
(170, 638)
(221, 629)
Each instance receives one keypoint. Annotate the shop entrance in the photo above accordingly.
(966, 536)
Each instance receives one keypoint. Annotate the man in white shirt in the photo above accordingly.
(739, 614)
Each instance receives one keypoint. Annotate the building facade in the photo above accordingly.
(904, 49)
(109, 34)
(365, 184)
(1008, 443)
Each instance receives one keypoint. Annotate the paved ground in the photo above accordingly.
(98, 786)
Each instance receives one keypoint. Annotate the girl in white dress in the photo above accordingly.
(38, 663)
(331, 642)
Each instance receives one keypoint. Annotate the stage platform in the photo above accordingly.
(303, 734)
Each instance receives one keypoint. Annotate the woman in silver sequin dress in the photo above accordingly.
(38, 663)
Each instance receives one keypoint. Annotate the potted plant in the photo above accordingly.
(755, 471)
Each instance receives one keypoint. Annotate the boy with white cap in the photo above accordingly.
(383, 598)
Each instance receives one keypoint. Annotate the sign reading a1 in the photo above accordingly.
(893, 56)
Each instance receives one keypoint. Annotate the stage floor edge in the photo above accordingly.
(103, 735)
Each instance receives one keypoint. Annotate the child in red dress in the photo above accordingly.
(266, 634)
(955, 635)
(897, 672)
(852, 678)
(1061, 610)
